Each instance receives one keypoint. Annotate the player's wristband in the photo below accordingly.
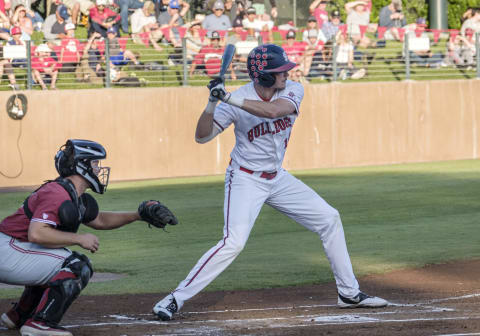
(235, 101)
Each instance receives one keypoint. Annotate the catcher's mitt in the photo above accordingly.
(155, 213)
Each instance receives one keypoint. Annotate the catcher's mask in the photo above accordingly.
(82, 157)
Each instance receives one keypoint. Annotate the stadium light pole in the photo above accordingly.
(437, 11)
(477, 47)
(29, 65)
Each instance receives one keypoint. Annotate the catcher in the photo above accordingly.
(33, 240)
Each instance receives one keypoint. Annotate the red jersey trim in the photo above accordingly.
(22, 250)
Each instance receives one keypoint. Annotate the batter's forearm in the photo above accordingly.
(271, 110)
(205, 122)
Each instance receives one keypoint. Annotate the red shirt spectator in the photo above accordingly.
(100, 16)
(70, 46)
(294, 49)
(44, 66)
(40, 63)
(318, 10)
(210, 57)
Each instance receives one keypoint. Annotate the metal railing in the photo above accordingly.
(164, 65)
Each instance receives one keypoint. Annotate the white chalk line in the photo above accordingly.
(308, 320)
(344, 320)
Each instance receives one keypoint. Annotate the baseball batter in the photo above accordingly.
(33, 240)
(264, 112)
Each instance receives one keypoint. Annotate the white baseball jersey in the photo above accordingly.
(260, 142)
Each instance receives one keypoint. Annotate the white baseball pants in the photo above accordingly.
(245, 195)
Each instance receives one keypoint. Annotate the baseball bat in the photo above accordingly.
(226, 60)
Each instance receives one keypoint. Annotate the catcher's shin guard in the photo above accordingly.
(64, 288)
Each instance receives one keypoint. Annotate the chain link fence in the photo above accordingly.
(142, 64)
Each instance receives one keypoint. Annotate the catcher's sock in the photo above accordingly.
(11, 319)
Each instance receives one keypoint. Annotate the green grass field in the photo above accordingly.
(394, 217)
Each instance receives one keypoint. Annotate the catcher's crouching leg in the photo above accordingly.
(62, 290)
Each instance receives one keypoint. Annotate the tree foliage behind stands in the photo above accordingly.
(415, 9)
(456, 8)
(412, 8)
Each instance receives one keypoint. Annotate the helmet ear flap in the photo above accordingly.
(266, 79)
(64, 161)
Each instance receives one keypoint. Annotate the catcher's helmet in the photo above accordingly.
(76, 156)
(265, 60)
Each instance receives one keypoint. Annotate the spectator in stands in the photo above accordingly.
(209, 58)
(217, 20)
(358, 14)
(243, 46)
(54, 26)
(16, 40)
(250, 21)
(143, 20)
(172, 19)
(313, 25)
(125, 6)
(52, 6)
(392, 18)
(324, 67)
(70, 50)
(473, 23)
(90, 69)
(78, 7)
(119, 57)
(231, 10)
(162, 6)
(103, 18)
(4, 23)
(259, 6)
(419, 47)
(257, 23)
(330, 28)
(36, 18)
(4, 26)
(312, 53)
(193, 40)
(240, 14)
(6, 64)
(461, 50)
(21, 20)
(45, 68)
(318, 9)
(294, 49)
(345, 59)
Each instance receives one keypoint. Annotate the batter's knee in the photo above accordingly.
(235, 247)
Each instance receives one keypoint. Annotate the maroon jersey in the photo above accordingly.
(44, 204)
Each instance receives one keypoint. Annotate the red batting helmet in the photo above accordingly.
(265, 60)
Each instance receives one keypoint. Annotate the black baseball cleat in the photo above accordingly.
(166, 308)
(361, 300)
